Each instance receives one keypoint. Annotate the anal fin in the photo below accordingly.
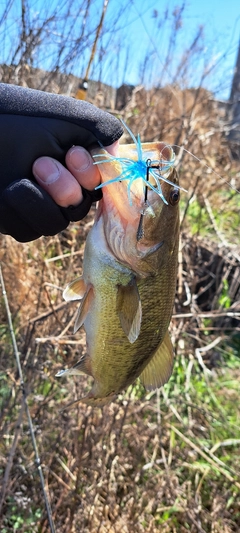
(83, 366)
(159, 369)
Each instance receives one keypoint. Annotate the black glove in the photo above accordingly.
(34, 124)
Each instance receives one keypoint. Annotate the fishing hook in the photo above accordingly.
(140, 231)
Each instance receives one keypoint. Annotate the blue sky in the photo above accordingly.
(221, 30)
(134, 47)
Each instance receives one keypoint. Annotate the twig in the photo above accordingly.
(48, 313)
(63, 256)
(228, 442)
(207, 315)
(217, 231)
(204, 349)
(169, 404)
(57, 340)
(25, 403)
(65, 467)
(213, 461)
(11, 456)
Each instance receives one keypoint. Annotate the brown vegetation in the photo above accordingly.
(146, 463)
(165, 461)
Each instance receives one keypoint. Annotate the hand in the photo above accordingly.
(35, 124)
(63, 184)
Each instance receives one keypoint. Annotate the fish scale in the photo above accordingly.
(128, 284)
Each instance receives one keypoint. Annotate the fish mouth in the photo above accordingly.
(153, 163)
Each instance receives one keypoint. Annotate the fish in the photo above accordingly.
(127, 288)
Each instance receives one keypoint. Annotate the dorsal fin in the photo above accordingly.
(159, 369)
(129, 309)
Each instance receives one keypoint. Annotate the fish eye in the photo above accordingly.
(174, 196)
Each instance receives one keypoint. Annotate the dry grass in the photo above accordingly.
(166, 461)
(137, 465)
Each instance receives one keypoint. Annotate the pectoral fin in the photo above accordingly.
(159, 369)
(75, 290)
(129, 310)
(83, 308)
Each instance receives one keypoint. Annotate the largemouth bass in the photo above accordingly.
(129, 276)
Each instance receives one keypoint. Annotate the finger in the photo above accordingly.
(60, 184)
(113, 148)
(81, 164)
(63, 185)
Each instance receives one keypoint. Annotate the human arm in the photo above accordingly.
(35, 124)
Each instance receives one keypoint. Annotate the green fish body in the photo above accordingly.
(128, 284)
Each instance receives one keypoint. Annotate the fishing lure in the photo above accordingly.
(142, 168)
